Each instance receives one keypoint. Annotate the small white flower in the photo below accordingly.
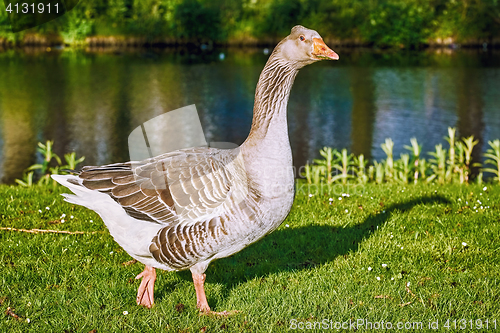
(401, 247)
(331, 199)
(383, 211)
(407, 284)
(111, 252)
(459, 199)
(481, 207)
(125, 313)
(28, 320)
(485, 188)
(62, 221)
(392, 279)
(384, 265)
(63, 215)
(371, 197)
(346, 211)
(378, 278)
(340, 198)
(474, 207)
(369, 269)
(392, 236)
(286, 225)
(310, 195)
(39, 210)
(71, 217)
(29, 304)
(91, 221)
(47, 208)
(464, 243)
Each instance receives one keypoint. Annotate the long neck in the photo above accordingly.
(271, 98)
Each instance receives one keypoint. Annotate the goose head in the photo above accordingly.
(304, 46)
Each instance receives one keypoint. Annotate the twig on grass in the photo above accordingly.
(41, 231)
(10, 312)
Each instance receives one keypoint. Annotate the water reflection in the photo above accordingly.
(90, 102)
(470, 108)
(363, 110)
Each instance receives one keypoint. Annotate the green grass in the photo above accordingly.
(314, 267)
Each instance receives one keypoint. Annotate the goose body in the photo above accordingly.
(183, 209)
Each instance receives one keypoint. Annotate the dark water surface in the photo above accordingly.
(89, 102)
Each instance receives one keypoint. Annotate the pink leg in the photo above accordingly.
(201, 298)
(201, 303)
(145, 294)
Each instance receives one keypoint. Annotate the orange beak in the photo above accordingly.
(321, 51)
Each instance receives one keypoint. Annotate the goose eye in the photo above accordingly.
(302, 38)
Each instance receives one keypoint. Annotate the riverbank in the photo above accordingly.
(410, 24)
(51, 40)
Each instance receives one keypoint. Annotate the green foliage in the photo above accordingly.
(388, 147)
(400, 23)
(280, 16)
(383, 23)
(51, 165)
(493, 157)
(444, 167)
(438, 165)
(415, 149)
(194, 20)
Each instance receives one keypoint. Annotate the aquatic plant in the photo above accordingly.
(468, 146)
(438, 164)
(388, 147)
(403, 168)
(326, 163)
(379, 172)
(451, 155)
(51, 165)
(360, 164)
(343, 164)
(415, 149)
(493, 157)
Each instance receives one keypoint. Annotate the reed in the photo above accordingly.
(493, 157)
(344, 164)
(388, 147)
(438, 165)
(415, 149)
(51, 165)
(444, 167)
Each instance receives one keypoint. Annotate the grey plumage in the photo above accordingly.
(186, 208)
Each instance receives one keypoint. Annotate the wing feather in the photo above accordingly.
(188, 184)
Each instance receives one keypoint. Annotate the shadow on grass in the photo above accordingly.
(300, 248)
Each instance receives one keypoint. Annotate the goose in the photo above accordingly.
(183, 209)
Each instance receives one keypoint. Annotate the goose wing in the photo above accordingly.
(186, 185)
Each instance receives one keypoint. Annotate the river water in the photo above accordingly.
(89, 101)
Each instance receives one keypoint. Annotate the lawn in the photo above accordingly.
(408, 255)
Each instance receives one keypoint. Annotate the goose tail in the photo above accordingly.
(133, 235)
